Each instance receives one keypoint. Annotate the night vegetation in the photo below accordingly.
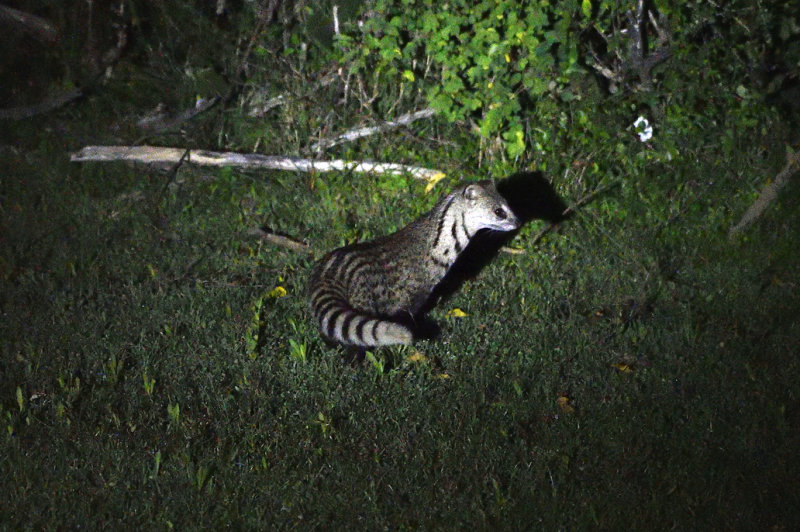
(634, 366)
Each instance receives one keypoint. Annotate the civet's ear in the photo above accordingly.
(472, 191)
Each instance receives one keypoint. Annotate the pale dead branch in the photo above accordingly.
(164, 155)
(768, 194)
(360, 132)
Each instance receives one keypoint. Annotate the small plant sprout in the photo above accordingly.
(323, 422)
(377, 363)
(202, 477)
(114, 369)
(297, 350)
(643, 129)
(174, 412)
(156, 465)
(251, 334)
(149, 384)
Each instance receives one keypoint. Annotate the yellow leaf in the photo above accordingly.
(433, 180)
(624, 368)
(565, 405)
(277, 292)
(442, 376)
(417, 357)
(456, 313)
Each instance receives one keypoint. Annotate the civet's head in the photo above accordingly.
(487, 209)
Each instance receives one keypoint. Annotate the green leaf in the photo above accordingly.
(515, 142)
(586, 8)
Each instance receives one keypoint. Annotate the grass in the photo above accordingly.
(633, 369)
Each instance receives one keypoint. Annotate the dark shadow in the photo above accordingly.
(531, 197)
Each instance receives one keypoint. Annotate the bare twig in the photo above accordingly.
(360, 132)
(574, 208)
(174, 171)
(34, 26)
(335, 19)
(281, 240)
(161, 124)
(606, 72)
(640, 59)
(164, 155)
(512, 251)
(257, 111)
(60, 100)
(768, 194)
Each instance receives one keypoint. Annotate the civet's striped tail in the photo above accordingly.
(339, 322)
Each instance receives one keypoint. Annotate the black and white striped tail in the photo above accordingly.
(341, 323)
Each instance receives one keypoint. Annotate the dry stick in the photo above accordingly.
(257, 110)
(768, 194)
(573, 208)
(261, 110)
(36, 27)
(59, 100)
(281, 240)
(164, 155)
(360, 132)
(159, 126)
(174, 172)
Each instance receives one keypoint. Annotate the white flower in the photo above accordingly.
(643, 129)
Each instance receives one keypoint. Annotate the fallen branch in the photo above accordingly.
(162, 122)
(360, 132)
(21, 113)
(37, 27)
(768, 194)
(164, 155)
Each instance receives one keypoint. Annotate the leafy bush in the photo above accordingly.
(526, 72)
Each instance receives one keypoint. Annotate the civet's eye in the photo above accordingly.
(500, 213)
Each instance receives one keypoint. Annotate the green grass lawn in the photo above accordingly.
(632, 369)
(620, 373)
